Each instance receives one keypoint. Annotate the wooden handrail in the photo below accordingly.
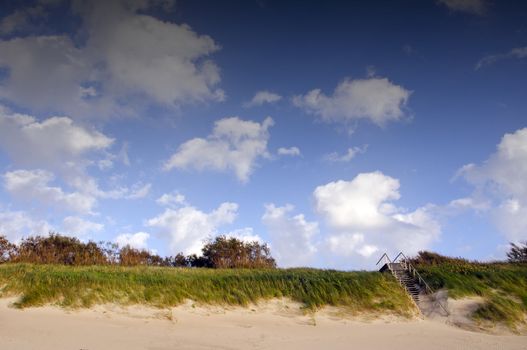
(414, 272)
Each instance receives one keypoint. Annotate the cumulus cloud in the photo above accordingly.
(362, 218)
(245, 234)
(59, 145)
(139, 191)
(126, 54)
(292, 236)
(474, 7)
(346, 157)
(502, 179)
(18, 224)
(171, 200)
(35, 63)
(477, 204)
(187, 227)
(54, 142)
(21, 20)
(34, 185)
(76, 226)
(375, 99)
(359, 220)
(511, 218)
(234, 145)
(361, 203)
(136, 240)
(262, 97)
(346, 244)
(291, 151)
(518, 52)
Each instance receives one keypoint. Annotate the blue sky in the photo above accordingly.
(332, 131)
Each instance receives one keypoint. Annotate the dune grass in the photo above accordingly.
(502, 286)
(70, 286)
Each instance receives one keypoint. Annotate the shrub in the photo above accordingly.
(431, 258)
(220, 252)
(223, 252)
(518, 253)
(57, 249)
(7, 250)
(129, 256)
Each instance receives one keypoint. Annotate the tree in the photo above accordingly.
(220, 252)
(129, 256)
(7, 250)
(518, 253)
(179, 260)
(58, 249)
(223, 252)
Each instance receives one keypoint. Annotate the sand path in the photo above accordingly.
(276, 326)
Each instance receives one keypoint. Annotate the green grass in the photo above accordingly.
(502, 286)
(164, 287)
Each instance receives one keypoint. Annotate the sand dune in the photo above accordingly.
(274, 325)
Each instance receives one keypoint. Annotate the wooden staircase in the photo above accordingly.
(406, 280)
(410, 279)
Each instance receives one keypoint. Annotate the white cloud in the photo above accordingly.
(234, 145)
(367, 250)
(20, 20)
(502, 179)
(360, 203)
(348, 156)
(477, 204)
(262, 97)
(18, 224)
(345, 243)
(186, 228)
(126, 54)
(90, 186)
(36, 63)
(518, 52)
(75, 226)
(139, 191)
(105, 164)
(145, 55)
(245, 234)
(171, 200)
(363, 220)
(474, 7)
(375, 99)
(291, 151)
(54, 142)
(511, 218)
(505, 170)
(59, 145)
(33, 185)
(416, 230)
(292, 237)
(136, 240)
(123, 154)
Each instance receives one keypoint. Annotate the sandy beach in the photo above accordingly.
(273, 325)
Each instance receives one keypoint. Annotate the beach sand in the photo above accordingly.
(277, 324)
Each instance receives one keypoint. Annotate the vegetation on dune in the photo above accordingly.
(502, 285)
(65, 271)
(83, 286)
(220, 252)
(518, 253)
